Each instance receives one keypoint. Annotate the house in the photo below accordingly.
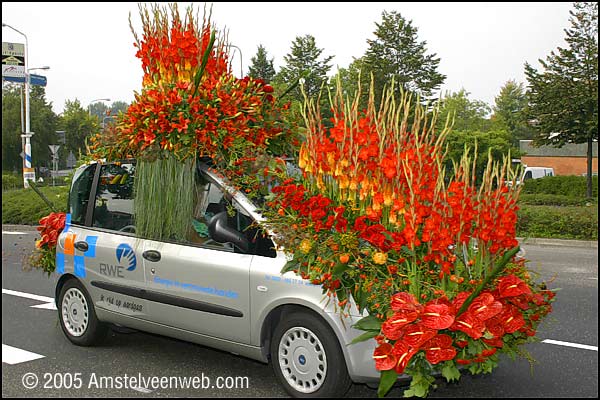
(571, 159)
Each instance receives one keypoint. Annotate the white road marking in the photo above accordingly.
(48, 301)
(14, 233)
(12, 355)
(579, 346)
(27, 295)
(46, 306)
(141, 389)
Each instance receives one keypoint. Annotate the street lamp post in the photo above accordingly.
(92, 102)
(28, 171)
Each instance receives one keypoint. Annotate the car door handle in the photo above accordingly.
(151, 255)
(82, 245)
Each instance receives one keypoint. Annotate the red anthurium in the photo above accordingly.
(404, 301)
(469, 324)
(393, 327)
(460, 298)
(417, 334)
(439, 349)
(403, 353)
(485, 307)
(511, 285)
(437, 316)
(512, 319)
(489, 352)
(384, 357)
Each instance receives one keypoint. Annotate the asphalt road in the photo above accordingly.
(66, 370)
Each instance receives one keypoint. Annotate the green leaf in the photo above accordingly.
(387, 380)
(364, 337)
(339, 269)
(450, 372)
(289, 266)
(369, 323)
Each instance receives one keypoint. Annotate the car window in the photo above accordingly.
(528, 175)
(212, 200)
(80, 194)
(113, 206)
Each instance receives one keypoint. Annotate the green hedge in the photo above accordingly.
(555, 200)
(25, 207)
(11, 181)
(568, 185)
(579, 223)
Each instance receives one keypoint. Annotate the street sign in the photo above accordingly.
(71, 160)
(13, 60)
(38, 80)
(54, 148)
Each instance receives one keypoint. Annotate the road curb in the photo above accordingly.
(559, 242)
(590, 244)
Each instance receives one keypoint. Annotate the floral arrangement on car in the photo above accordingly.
(430, 255)
(190, 106)
(44, 255)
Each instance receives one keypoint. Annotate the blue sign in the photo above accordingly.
(38, 80)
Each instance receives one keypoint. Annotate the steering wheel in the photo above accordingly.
(128, 228)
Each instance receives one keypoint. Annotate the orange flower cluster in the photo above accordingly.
(191, 104)
(381, 225)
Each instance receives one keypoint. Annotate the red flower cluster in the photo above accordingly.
(50, 228)
(415, 327)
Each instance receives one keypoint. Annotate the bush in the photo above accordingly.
(26, 207)
(568, 185)
(579, 223)
(11, 181)
(555, 200)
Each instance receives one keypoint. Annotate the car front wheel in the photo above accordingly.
(77, 315)
(307, 358)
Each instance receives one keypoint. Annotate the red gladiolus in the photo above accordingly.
(393, 327)
(439, 349)
(437, 316)
(510, 286)
(485, 307)
(462, 361)
(384, 357)
(489, 352)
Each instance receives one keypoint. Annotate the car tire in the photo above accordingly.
(77, 315)
(307, 358)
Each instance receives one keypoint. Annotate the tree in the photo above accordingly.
(43, 123)
(397, 54)
(78, 126)
(509, 111)
(563, 99)
(304, 61)
(262, 68)
(465, 114)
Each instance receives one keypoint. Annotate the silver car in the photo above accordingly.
(221, 287)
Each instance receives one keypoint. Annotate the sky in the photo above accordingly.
(89, 46)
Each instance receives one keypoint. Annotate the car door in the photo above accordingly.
(199, 285)
(98, 245)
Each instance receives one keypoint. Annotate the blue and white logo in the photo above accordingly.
(126, 254)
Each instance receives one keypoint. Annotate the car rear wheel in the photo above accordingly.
(77, 315)
(307, 358)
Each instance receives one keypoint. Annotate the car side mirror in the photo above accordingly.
(221, 232)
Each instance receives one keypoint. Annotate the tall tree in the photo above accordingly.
(261, 67)
(43, 123)
(78, 126)
(464, 113)
(396, 53)
(304, 60)
(509, 110)
(563, 99)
